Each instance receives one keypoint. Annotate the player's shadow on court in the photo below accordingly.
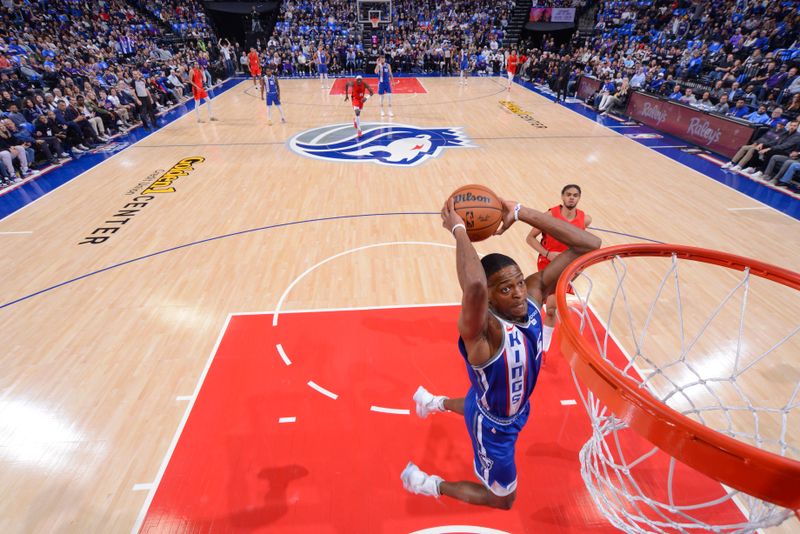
(541, 451)
(275, 503)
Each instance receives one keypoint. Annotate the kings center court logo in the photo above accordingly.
(385, 144)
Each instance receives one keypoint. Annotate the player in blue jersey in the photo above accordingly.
(385, 81)
(269, 84)
(322, 59)
(501, 342)
(463, 66)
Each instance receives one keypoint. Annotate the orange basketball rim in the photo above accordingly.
(754, 471)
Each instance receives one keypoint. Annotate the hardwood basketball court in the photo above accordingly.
(106, 340)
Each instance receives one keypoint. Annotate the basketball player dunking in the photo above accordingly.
(255, 65)
(501, 341)
(385, 81)
(359, 86)
(550, 248)
(511, 66)
(269, 84)
(322, 65)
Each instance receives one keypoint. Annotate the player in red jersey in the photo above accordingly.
(549, 248)
(199, 92)
(511, 66)
(359, 86)
(255, 65)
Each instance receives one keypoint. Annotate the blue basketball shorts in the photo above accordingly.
(493, 445)
(322, 69)
(273, 99)
(384, 88)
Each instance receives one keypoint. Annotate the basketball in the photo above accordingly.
(480, 208)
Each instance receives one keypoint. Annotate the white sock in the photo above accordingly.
(358, 122)
(208, 103)
(280, 109)
(269, 113)
(547, 337)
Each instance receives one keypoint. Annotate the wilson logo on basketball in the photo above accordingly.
(469, 197)
(384, 144)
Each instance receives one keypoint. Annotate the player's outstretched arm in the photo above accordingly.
(471, 278)
(578, 241)
(534, 243)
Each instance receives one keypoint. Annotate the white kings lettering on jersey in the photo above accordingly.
(516, 365)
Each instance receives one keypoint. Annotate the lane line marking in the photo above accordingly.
(143, 487)
(355, 308)
(284, 357)
(168, 455)
(15, 233)
(397, 411)
(287, 419)
(183, 398)
(322, 390)
(569, 402)
(750, 209)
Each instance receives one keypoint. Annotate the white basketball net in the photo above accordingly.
(620, 482)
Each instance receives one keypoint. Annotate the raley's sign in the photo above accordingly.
(715, 133)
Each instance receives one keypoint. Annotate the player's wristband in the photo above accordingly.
(516, 211)
(457, 226)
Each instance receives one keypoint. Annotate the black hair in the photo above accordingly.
(494, 262)
(571, 186)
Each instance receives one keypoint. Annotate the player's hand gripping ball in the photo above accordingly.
(479, 208)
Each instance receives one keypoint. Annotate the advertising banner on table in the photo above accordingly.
(587, 86)
(712, 132)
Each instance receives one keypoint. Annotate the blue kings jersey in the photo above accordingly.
(323, 59)
(271, 85)
(505, 382)
(383, 73)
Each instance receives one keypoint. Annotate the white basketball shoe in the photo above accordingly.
(420, 483)
(427, 403)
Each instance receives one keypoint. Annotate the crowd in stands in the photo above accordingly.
(73, 74)
(183, 16)
(69, 69)
(423, 35)
(731, 57)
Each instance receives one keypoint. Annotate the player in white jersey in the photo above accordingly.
(323, 59)
(500, 339)
(385, 82)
